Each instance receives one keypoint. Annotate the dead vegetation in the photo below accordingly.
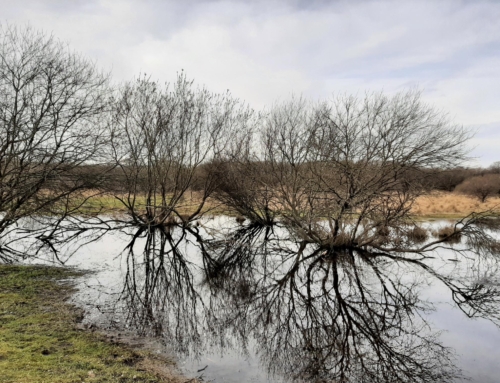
(417, 234)
(442, 204)
(449, 233)
(348, 171)
(481, 187)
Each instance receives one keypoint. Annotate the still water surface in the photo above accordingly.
(239, 305)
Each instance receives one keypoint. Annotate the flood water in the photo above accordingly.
(242, 303)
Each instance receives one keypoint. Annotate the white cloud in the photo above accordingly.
(264, 50)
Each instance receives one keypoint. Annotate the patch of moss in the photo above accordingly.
(39, 339)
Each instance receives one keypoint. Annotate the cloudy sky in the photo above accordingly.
(263, 51)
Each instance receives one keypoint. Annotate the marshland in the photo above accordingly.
(343, 240)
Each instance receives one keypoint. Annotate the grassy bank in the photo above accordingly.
(434, 205)
(40, 342)
(109, 204)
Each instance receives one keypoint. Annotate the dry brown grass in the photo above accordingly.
(435, 204)
(418, 234)
(448, 233)
(93, 201)
(452, 204)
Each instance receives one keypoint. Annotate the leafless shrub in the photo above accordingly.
(243, 186)
(52, 102)
(495, 167)
(449, 233)
(417, 234)
(163, 135)
(481, 187)
(492, 223)
(240, 219)
(449, 179)
(354, 164)
(383, 231)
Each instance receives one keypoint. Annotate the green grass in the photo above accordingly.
(39, 340)
(104, 204)
(109, 204)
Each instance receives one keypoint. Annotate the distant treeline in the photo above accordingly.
(115, 180)
(448, 180)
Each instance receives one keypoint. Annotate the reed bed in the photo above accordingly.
(452, 204)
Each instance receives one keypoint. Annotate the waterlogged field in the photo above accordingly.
(40, 342)
(326, 271)
(239, 302)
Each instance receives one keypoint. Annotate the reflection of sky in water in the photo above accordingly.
(475, 341)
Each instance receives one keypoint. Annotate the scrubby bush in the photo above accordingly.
(449, 234)
(449, 179)
(480, 187)
(417, 234)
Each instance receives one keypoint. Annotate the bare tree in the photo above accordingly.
(51, 100)
(481, 187)
(347, 171)
(257, 178)
(163, 136)
(495, 167)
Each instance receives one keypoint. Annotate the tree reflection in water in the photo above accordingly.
(317, 314)
(160, 297)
